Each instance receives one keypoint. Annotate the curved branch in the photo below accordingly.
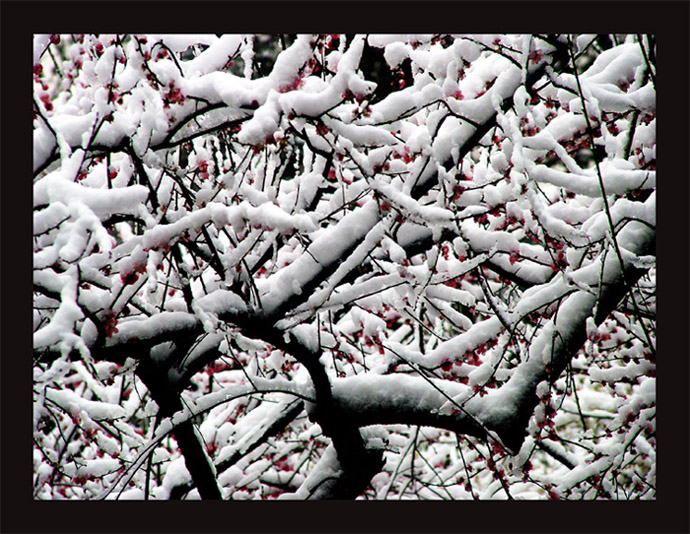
(400, 399)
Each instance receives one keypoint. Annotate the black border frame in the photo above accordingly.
(668, 20)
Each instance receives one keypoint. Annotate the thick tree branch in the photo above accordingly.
(169, 402)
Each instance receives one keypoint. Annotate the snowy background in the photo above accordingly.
(344, 266)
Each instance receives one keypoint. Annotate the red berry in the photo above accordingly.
(128, 279)
(110, 324)
(536, 56)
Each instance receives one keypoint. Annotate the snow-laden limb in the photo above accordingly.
(75, 404)
(329, 479)
(508, 408)
(344, 266)
(321, 257)
(322, 480)
(502, 413)
(268, 421)
(616, 181)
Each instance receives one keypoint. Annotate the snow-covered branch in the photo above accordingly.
(337, 266)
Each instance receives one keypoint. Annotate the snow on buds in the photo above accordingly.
(202, 167)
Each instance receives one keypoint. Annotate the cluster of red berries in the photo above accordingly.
(45, 98)
(129, 278)
(173, 96)
(110, 324)
(294, 84)
(535, 57)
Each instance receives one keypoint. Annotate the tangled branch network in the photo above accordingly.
(344, 267)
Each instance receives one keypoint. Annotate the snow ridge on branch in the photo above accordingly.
(337, 267)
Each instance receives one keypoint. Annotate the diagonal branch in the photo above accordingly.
(284, 416)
